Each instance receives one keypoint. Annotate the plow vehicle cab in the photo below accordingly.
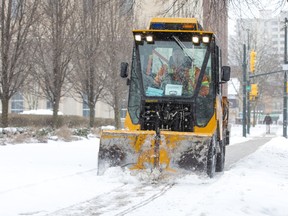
(177, 117)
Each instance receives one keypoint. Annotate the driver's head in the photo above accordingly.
(178, 56)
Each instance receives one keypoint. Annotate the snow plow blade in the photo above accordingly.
(138, 150)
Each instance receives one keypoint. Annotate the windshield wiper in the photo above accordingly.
(202, 71)
(182, 46)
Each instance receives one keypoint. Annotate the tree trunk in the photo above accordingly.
(254, 115)
(5, 107)
(117, 119)
(91, 115)
(55, 120)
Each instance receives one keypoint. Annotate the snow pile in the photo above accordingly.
(40, 112)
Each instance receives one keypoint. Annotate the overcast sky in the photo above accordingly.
(237, 11)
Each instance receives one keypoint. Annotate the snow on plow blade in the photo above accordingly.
(139, 150)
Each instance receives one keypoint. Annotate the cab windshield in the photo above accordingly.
(171, 68)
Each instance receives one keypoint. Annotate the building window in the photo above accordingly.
(274, 29)
(17, 102)
(275, 23)
(85, 109)
(49, 105)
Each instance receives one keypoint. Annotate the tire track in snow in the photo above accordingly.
(147, 201)
(120, 201)
(74, 207)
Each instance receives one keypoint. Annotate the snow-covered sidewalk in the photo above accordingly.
(38, 179)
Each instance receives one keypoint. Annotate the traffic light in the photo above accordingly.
(252, 61)
(254, 90)
(251, 97)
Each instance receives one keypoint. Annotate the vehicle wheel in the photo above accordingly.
(211, 159)
(220, 162)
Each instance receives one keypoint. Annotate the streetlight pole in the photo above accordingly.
(285, 84)
(244, 91)
(248, 84)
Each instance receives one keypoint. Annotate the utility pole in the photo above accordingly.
(285, 84)
(244, 91)
(248, 84)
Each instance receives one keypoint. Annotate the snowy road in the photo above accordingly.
(59, 179)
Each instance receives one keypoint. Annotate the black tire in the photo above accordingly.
(220, 162)
(211, 159)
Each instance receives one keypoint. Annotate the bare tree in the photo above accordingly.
(56, 36)
(117, 48)
(89, 77)
(237, 5)
(15, 21)
(31, 91)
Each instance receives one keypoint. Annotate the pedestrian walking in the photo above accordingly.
(267, 120)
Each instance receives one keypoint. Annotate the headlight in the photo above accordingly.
(195, 39)
(149, 38)
(138, 37)
(205, 39)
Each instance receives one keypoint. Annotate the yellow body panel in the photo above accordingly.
(210, 128)
(155, 30)
(128, 123)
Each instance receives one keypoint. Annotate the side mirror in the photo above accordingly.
(225, 73)
(124, 70)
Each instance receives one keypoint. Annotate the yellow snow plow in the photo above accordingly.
(141, 150)
(177, 117)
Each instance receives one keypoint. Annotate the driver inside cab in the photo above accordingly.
(179, 71)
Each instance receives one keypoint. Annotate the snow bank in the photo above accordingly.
(40, 112)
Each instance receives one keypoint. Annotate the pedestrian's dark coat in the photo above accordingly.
(267, 120)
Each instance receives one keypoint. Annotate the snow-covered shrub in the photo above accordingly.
(43, 133)
(82, 132)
